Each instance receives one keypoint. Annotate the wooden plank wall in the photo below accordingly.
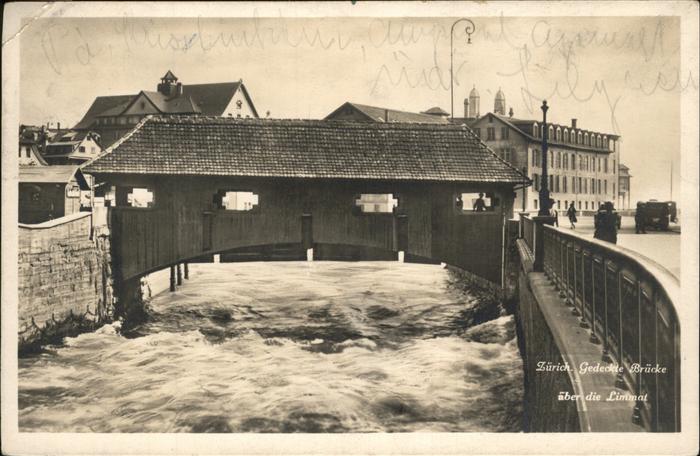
(149, 239)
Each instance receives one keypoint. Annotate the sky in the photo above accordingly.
(618, 75)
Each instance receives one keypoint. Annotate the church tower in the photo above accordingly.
(473, 103)
(499, 104)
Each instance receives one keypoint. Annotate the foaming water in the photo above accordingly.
(287, 347)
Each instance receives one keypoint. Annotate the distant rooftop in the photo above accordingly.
(378, 114)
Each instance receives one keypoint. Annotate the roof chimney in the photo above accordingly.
(178, 89)
(58, 125)
(573, 123)
(510, 112)
(386, 115)
(466, 108)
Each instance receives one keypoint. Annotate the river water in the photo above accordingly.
(288, 347)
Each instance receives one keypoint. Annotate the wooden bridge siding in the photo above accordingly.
(471, 241)
(149, 239)
(337, 221)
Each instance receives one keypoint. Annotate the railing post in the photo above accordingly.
(521, 223)
(538, 236)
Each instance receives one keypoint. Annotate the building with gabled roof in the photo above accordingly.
(31, 144)
(71, 147)
(50, 192)
(113, 116)
(364, 113)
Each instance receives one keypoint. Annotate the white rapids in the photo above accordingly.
(287, 347)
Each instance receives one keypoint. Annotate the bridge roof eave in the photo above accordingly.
(389, 179)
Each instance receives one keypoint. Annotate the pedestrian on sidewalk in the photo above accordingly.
(571, 213)
(606, 223)
(554, 213)
(639, 216)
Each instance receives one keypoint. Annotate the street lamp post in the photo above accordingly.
(544, 187)
(469, 29)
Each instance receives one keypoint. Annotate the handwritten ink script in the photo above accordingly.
(552, 58)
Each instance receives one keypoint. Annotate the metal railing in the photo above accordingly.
(627, 303)
(528, 231)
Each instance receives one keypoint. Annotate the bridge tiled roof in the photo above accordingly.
(200, 145)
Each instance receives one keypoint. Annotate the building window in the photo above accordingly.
(605, 185)
(504, 132)
(477, 132)
(585, 185)
(580, 138)
(558, 159)
(490, 134)
(141, 197)
(566, 161)
(550, 132)
(476, 202)
(566, 135)
(614, 167)
(535, 203)
(579, 205)
(605, 164)
(81, 149)
(586, 141)
(600, 189)
(536, 181)
(381, 203)
(508, 155)
(558, 134)
(551, 182)
(613, 189)
(586, 205)
(558, 204)
(563, 183)
(535, 131)
(234, 200)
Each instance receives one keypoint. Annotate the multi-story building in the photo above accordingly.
(114, 116)
(582, 164)
(623, 187)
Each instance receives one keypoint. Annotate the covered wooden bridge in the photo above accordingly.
(186, 187)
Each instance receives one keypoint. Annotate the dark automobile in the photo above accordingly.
(658, 214)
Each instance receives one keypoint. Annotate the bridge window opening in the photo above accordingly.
(476, 202)
(237, 200)
(141, 197)
(377, 203)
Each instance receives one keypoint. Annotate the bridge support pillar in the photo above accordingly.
(187, 271)
(172, 278)
(129, 306)
(307, 236)
(179, 274)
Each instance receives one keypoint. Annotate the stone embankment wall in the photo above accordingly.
(65, 283)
